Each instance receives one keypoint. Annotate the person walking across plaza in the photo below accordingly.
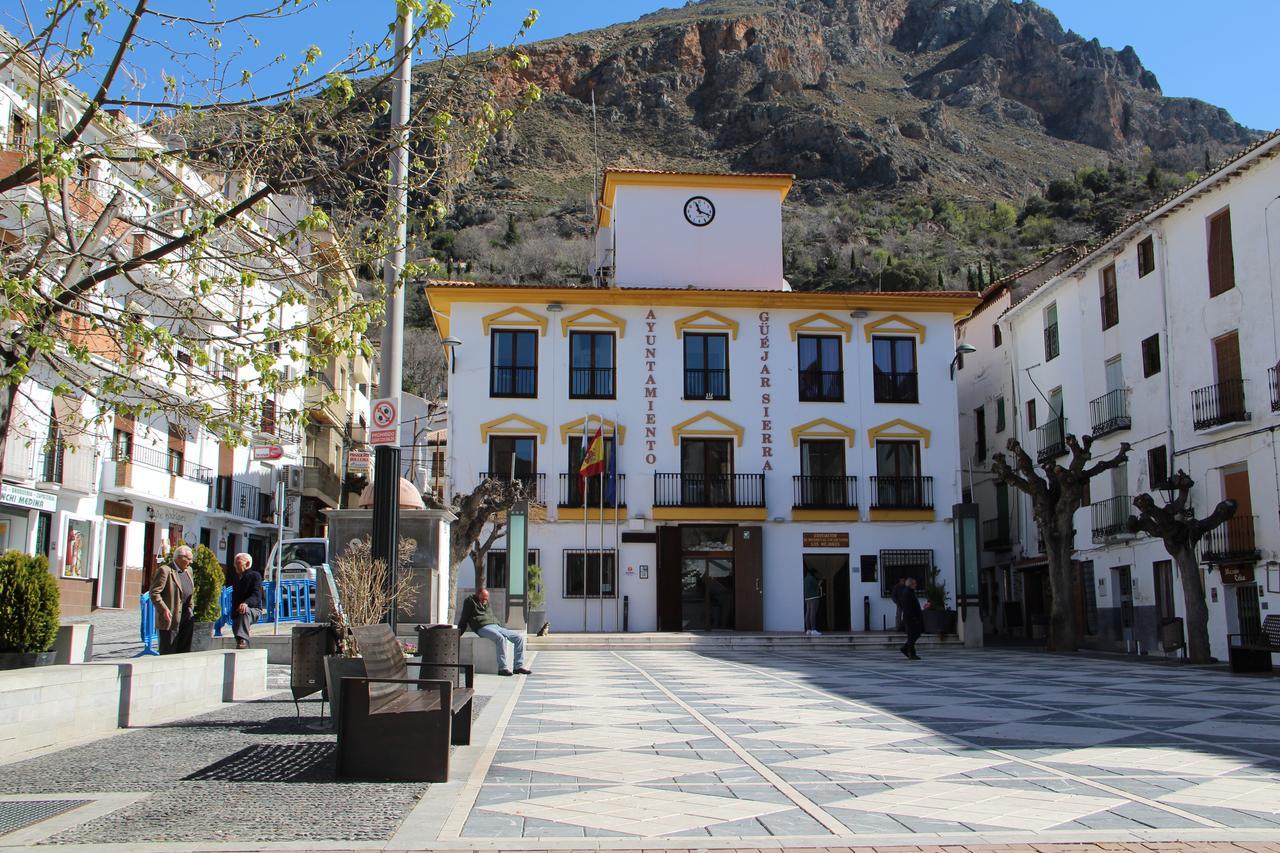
(171, 590)
(477, 616)
(247, 599)
(812, 596)
(904, 595)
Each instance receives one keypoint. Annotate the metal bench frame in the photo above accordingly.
(1253, 653)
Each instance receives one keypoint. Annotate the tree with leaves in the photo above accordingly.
(1056, 493)
(1176, 525)
(182, 246)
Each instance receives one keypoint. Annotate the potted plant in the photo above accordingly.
(362, 599)
(28, 611)
(206, 602)
(937, 618)
(536, 608)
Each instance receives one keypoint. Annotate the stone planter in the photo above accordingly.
(202, 637)
(336, 668)
(534, 620)
(22, 660)
(939, 621)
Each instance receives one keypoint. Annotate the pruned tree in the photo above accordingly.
(1055, 495)
(195, 228)
(1176, 525)
(484, 506)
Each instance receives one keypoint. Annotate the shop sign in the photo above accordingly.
(1237, 574)
(825, 539)
(265, 452)
(359, 460)
(27, 498)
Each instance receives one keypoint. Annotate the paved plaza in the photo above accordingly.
(682, 750)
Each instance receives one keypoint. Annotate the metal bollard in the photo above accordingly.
(626, 613)
(866, 613)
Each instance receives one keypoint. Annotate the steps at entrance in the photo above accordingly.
(561, 642)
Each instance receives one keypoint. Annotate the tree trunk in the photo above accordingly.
(7, 401)
(1063, 634)
(1196, 622)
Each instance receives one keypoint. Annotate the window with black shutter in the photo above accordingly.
(1151, 355)
(1110, 298)
(1146, 256)
(1222, 264)
(1158, 466)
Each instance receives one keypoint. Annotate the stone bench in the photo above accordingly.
(478, 652)
(161, 689)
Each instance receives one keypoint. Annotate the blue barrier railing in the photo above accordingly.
(296, 598)
(147, 626)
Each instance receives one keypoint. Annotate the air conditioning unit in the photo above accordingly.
(292, 477)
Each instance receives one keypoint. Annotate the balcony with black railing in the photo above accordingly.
(1218, 405)
(902, 493)
(1051, 440)
(821, 386)
(591, 383)
(708, 384)
(320, 477)
(162, 460)
(1111, 517)
(996, 535)
(513, 381)
(534, 485)
(708, 490)
(1231, 542)
(571, 493)
(1273, 380)
(241, 499)
(896, 387)
(824, 492)
(1110, 413)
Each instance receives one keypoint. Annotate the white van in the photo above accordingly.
(300, 559)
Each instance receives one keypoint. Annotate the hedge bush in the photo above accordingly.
(28, 603)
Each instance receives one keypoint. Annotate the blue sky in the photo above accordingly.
(1216, 50)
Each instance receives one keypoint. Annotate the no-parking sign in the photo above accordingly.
(384, 421)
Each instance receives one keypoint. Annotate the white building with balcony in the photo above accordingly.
(756, 433)
(1163, 336)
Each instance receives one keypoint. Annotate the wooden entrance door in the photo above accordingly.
(668, 580)
(748, 558)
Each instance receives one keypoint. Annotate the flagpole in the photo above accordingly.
(582, 489)
(617, 556)
(600, 557)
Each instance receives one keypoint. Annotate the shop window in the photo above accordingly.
(591, 574)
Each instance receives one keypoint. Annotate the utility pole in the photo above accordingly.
(386, 488)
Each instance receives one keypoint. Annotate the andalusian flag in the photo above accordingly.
(592, 460)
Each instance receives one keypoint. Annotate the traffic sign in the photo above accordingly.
(385, 421)
(263, 452)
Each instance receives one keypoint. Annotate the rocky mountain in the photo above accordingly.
(881, 105)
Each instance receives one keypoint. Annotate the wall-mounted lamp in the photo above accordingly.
(555, 308)
(450, 344)
(961, 352)
(858, 313)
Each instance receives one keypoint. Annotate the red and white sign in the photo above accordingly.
(384, 427)
(262, 452)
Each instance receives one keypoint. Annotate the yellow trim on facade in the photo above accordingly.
(898, 430)
(710, 513)
(515, 316)
(894, 324)
(822, 324)
(824, 515)
(822, 428)
(706, 321)
(443, 297)
(575, 513)
(613, 180)
(903, 515)
(594, 318)
(512, 424)
(727, 427)
(610, 429)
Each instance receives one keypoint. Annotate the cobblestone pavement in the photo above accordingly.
(115, 632)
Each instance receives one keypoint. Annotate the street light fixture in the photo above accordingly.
(450, 344)
(961, 352)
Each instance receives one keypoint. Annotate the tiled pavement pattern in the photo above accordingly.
(860, 746)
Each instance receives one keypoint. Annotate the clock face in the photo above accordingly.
(699, 211)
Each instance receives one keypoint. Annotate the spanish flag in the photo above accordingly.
(593, 459)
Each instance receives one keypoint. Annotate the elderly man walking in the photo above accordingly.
(171, 589)
(247, 599)
(477, 616)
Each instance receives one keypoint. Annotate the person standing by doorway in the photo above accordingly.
(171, 590)
(904, 595)
(812, 596)
(247, 599)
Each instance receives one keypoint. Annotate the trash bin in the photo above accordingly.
(1172, 637)
(440, 644)
(310, 644)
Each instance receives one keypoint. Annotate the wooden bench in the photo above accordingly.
(396, 728)
(1252, 653)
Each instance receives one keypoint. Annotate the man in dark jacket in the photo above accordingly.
(904, 595)
(477, 616)
(247, 599)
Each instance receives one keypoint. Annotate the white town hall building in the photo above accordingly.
(759, 432)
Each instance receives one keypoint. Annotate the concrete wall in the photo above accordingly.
(41, 707)
(161, 689)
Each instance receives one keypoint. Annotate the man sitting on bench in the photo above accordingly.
(477, 616)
